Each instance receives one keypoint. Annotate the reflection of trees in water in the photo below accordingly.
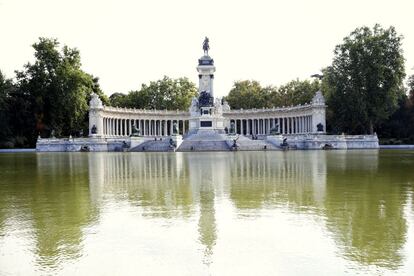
(156, 181)
(50, 192)
(352, 189)
(364, 206)
(61, 205)
(275, 178)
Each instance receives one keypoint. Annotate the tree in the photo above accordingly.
(5, 89)
(248, 94)
(365, 80)
(57, 89)
(411, 89)
(294, 93)
(165, 93)
(119, 99)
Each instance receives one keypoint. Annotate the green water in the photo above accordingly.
(243, 213)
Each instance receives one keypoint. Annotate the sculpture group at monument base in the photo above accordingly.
(212, 142)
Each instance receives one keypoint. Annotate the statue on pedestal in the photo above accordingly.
(135, 131)
(232, 130)
(275, 130)
(194, 105)
(94, 129)
(175, 129)
(319, 127)
(206, 46)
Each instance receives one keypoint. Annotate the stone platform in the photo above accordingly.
(209, 141)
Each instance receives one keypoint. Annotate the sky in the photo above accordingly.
(126, 43)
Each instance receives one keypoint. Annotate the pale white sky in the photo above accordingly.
(126, 43)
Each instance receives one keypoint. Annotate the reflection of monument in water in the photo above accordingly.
(166, 185)
(346, 189)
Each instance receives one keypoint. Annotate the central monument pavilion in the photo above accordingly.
(209, 125)
(206, 112)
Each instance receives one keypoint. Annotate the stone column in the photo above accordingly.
(253, 127)
(287, 125)
(281, 125)
(165, 127)
(296, 125)
(139, 126)
(109, 126)
(269, 125)
(119, 126)
(303, 124)
(115, 126)
(160, 127)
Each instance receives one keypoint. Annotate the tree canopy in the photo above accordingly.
(50, 94)
(365, 80)
(250, 94)
(165, 93)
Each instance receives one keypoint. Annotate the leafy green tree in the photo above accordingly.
(365, 79)
(166, 93)
(248, 94)
(5, 87)
(57, 89)
(411, 89)
(119, 99)
(294, 93)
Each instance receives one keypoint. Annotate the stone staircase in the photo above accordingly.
(206, 135)
(201, 145)
(204, 140)
(152, 145)
(246, 143)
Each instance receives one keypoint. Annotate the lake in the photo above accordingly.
(218, 213)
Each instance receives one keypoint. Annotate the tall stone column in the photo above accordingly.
(241, 127)
(318, 112)
(165, 127)
(95, 116)
(269, 125)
